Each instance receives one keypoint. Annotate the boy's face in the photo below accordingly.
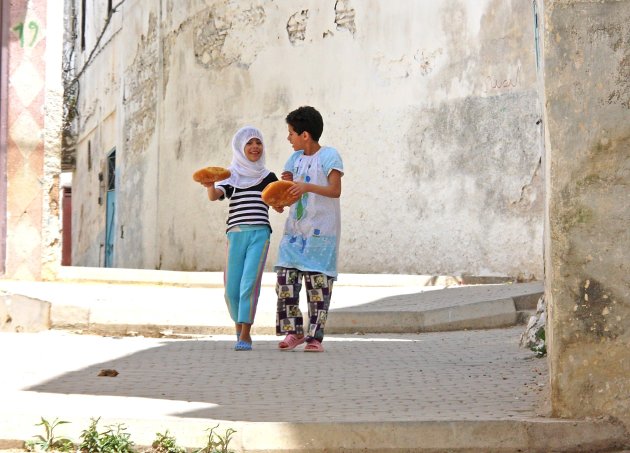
(298, 141)
(253, 149)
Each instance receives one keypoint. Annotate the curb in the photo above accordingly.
(506, 436)
(479, 315)
(156, 310)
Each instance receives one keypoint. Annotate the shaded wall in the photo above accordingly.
(587, 108)
(432, 104)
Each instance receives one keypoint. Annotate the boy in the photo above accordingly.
(310, 242)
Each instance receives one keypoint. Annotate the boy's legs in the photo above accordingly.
(253, 267)
(318, 292)
(288, 314)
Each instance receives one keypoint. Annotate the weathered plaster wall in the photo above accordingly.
(33, 147)
(432, 104)
(99, 131)
(587, 89)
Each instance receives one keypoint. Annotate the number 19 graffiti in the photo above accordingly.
(19, 29)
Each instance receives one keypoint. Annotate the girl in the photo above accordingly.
(248, 229)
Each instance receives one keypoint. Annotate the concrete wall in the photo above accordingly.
(433, 105)
(33, 145)
(587, 109)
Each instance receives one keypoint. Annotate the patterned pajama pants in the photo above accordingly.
(289, 316)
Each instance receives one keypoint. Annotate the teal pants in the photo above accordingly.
(246, 256)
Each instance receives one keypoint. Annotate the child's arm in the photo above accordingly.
(213, 192)
(332, 190)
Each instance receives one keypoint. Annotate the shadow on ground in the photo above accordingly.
(467, 375)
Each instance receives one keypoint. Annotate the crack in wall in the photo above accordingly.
(529, 190)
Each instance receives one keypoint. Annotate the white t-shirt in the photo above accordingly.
(310, 241)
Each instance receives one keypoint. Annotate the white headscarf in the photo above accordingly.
(245, 173)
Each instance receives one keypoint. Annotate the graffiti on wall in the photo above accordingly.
(27, 37)
(496, 83)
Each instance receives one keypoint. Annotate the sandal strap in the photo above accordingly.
(314, 346)
(291, 340)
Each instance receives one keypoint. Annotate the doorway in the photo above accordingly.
(110, 210)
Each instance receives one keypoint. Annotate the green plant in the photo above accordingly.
(217, 443)
(540, 348)
(165, 443)
(48, 441)
(112, 440)
(90, 438)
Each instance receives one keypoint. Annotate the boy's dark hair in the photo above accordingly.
(306, 119)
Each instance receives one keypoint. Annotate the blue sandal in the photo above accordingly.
(242, 346)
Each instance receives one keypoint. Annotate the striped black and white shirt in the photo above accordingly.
(246, 205)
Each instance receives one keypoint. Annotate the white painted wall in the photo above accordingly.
(432, 104)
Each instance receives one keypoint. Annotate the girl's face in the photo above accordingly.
(253, 149)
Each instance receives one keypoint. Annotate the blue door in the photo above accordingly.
(110, 210)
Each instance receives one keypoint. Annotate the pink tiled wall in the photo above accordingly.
(25, 143)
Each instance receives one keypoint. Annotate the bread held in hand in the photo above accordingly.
(277, 194)
(211, 174)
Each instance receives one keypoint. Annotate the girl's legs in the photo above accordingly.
(245, 333)
(318, 292)
(288, 314)
(236, 248)
(249, 291)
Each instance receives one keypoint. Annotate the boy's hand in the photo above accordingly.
(207, 183)
(286, 176)
(332, 190)
(280, 209)
(298, 189)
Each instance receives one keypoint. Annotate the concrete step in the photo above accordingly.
(461, 436)
(194, 305)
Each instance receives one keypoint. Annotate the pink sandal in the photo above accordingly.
(291, 341)
(313, 346)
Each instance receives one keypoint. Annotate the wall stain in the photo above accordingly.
(344, 16)
(213, 26)
(574, 214)
(597, 310)
(616, 36)
(179, 150)
(467, 140)
(621, 94)
(296, 27)
(608, 163)
(426, 60)
(208, 39)
(141, 93)
(168, 42)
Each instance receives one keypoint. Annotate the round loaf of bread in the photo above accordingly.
(277, 194)
(211, 174)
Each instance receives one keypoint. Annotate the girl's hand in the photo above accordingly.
(286, 176)
(206, 183)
